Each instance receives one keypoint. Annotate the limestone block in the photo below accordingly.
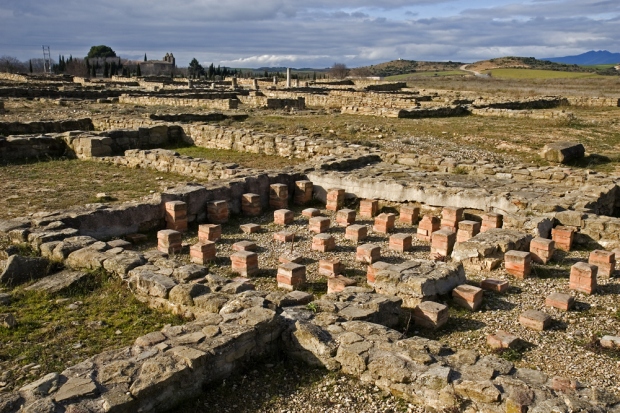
(563, 152)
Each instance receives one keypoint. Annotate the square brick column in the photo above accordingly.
(291, 276)
(356, 232)
(583, 278)
(450, 218)
(368, 208)
(467, 230)
(169, 241)
(409, 214)
(442, 243)
(202, 252)
(468, 296)
(373, 269)
(491, 284)
(384, 223)
(560, 301)
(542, 250)
(605, 261)
(501, 340)
(427, 226)
(518, 263)
(330, 267)
(310, 212)
(368, 253)
(217, 212)
(244, 263)
(283, 217)
(339, 283)
(536, 320)
(250, 228)
(284, 236)
(250, 205)
(563, 237)
(490, 220)
(209, 232)
(176, 215)
(318, 224)
(335, 199)
(244, 246)
(323, 243)
(400, 242)
(345, 217)
(429, 314)
(303, 192)
(278, 196)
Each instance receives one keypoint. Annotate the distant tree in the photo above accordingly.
(106, 69)
(11, 64)
(195, 69)
(93, 71)
(138, 71)
(100, 51)
(339, 71)
(30, 66)
(145, 57)
(77, 67)
(361, 72)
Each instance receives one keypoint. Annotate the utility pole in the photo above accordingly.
(47, 60)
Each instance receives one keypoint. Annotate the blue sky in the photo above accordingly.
(312, 33)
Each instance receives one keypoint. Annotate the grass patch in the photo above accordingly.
(245, 159)
(414, 75)
(538, 74)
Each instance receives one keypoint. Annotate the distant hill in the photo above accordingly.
(524, 63)
(400, 67)
(600, 57)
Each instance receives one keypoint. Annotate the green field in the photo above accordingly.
(426, 74)
(599, 67)
(537, 74)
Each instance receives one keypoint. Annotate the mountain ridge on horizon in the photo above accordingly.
(593, 57)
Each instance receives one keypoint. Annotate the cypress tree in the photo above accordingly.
(31, 66)
(138, 71)
(106, 70)
(145, 57)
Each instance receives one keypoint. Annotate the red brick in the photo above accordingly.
(563, 237)
(368, 208)
(330, 267)
(291, 276)
(368, 253)
(250, 228)
(303, 192)
(563, 384)
(356, 233)
(490, 220)
(244, 246)
(400, 242)
(467, 296)
(202, 252)
(169, 241)
(373, 269)
(345, 217)
(209, 232)
(409, 214)
(250, 205)
(384, 223)
(284, 236)
(518, 263)
(323, 243)
(278, 196)
(429, 314)
(283, 217)
(450, 218)
(501, 340)
(560, 301)
(318, 224)
(176, 215)
(217, 212)
(536, 320)
(442, 242)
(244, 263)
(605, 261)
(491, 284)
(335, 199)
(467, 230)
(339, 283)
(583, 278)
(310, 212)
(542, 250)
(288, 257)
(427, 226)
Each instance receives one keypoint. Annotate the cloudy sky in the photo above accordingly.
(310, 33)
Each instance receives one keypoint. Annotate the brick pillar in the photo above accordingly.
(176, 215)
(518, 263)
(345, 217)
(442, 243)
(384, 223)
(250, 205)
(583, 278)
(209, 232)
(339, 283)
(429, 314)
(467, 296)
(409, 214)
(368, 253)
(467, 230)
(368, 208)
(330, 267)
(400, 242)
(450, 218)
(323, 243)
(335, 199)
(169, 241)
(278, 196)
(303, 192)
(244, 263)
(373, 269)
(283, 217)
(318, 224)
(605, 262)
(427, 226)
(202, 252)
(217, 212)
(356, 232)
(490, 220)
(542, 250)
(563, 237)
(291, 276)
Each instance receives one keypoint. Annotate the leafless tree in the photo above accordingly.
(77, 67)
(361, 72)
(10, 64)
(339, 71)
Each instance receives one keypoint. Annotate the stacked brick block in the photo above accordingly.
(176, 215)
(583, 278)
(542, 250)
(427, 226)
(209, 232)
(310, 212)
(490, 220)
(442, 243)
(368, 253)
(303, 192)
(323, 243)
(335, 199)
(318, 224)
(339, 283)
(605, 261)
(467, 296)
(291, 276)
(169, 241)
(217, 212)
(278, 196)
(563, 237)
(536, 320)
(368, 208)
(356, 233)
(384, 223)
(373, 269)
(409, 214)
(467, 230)
(400, 242)
(244, 263)
(429, 314)
(250, 205)
(491, 284)
(518, 263)
(283, 217)
(345, 217)
(560, 301)
(450, 218)
(502, 340)
(330, 267)
(202, 252)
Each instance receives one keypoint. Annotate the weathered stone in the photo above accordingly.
(42, 387)
(486, 250)
(563, 152)
(184, 293)
(76, 388)
(121, 264)
(19, 269)
(58, 282)
(7, 320)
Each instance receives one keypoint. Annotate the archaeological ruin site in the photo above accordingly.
(445, 246)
